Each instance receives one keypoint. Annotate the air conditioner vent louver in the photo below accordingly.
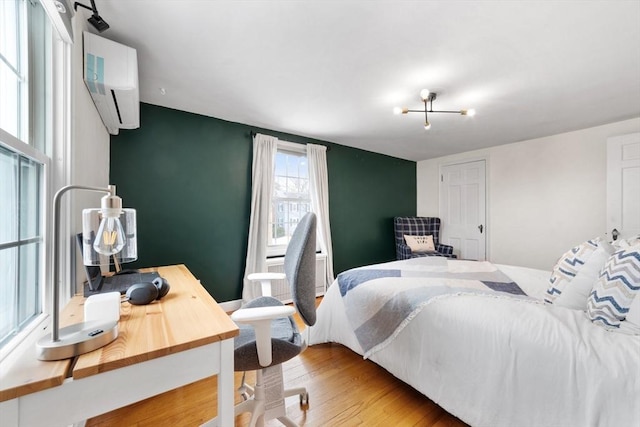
(115, 101)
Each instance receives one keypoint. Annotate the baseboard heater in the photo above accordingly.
(280, 288)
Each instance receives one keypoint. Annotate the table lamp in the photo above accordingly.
(109, 236)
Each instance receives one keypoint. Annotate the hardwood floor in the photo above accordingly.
(344, 390)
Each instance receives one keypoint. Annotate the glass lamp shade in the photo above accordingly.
(116, 237)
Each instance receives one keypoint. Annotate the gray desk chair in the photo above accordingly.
(268, 333)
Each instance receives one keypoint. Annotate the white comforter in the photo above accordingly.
(505, 362)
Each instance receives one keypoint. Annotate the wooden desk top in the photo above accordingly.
(187, 317)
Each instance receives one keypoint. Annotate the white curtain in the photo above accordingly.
(319, 189)
(264, 155)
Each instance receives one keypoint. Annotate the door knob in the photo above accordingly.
(614, 234)
(480, 227)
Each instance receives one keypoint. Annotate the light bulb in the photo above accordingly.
(110, 236)
(427, 126)
(424, 94)
(397, 110)
(471, 112)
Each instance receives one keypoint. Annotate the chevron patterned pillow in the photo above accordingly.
(631, 323)
(616, 289)
(568, 266)
(575, 295)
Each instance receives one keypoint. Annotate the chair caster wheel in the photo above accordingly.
(304, 399)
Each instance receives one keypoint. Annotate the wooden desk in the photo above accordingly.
(180, 339)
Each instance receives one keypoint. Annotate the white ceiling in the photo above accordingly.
(334, 70)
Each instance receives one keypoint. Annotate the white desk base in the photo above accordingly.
(78, 400)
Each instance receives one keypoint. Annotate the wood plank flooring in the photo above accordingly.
(344, 390)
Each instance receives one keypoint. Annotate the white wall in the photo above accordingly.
(89, 153)
(544, 195)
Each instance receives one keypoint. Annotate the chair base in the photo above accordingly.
(255, 398)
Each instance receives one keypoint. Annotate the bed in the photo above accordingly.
(494, 355)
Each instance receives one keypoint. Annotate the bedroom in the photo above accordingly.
(359, 172)
(368, 184)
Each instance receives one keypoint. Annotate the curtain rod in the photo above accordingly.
(254, 133)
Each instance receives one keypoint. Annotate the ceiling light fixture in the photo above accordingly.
(95, 19)
(428, 98)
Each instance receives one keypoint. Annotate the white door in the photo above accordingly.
(623, 186)
(462, 209)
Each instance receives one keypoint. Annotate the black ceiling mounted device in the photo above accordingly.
(95, 19)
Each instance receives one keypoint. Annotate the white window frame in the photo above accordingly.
(283, 147)
(19, 147)
(55, 173)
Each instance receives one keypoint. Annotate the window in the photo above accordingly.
(21, 241)
(291, 199)
(25, 114)
(13, 68)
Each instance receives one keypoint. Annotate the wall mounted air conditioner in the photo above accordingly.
(111, 75)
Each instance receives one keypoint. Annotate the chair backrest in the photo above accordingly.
(416, 226)
(300, 268)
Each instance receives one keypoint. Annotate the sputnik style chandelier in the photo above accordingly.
(428, 98)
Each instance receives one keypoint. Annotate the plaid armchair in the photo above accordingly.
(419, 226)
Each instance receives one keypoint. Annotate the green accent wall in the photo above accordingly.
(189, 178)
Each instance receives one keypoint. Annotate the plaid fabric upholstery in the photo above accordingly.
(419, 226)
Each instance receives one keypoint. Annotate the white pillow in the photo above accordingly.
(420, 243)
(577, 292)
(568, 267)
(625, 243)
(616, 290)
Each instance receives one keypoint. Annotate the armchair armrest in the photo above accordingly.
(265, 281)
(260, 319)
(444, 249)
(403, 251)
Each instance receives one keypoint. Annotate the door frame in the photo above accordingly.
(613, 191)
(487, 188)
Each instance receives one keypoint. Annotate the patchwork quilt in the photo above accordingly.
(381, 300)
